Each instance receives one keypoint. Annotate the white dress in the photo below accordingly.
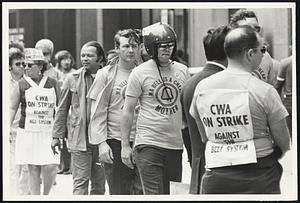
(33, 143)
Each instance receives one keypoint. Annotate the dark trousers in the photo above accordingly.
(262, 177)
(65, 157)
(157, 167)
(287, 102)
(187, 143)
(85, 170)
(121, 179)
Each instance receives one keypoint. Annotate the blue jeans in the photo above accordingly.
(85, 169)
(157, 167)
(121, 179)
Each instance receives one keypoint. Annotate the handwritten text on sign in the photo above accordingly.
(42, 110)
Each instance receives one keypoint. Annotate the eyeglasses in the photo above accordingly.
(19, 64)
(29, 65)
(166, 46)
(263, 49)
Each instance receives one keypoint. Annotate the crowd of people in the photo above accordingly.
(124, 116)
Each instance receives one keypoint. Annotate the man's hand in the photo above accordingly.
(126, 155)
(105, 153)
(55, 142)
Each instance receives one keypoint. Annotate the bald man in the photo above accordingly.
(47, 47)
(233, 110)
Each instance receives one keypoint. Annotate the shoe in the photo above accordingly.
(68, 172)
(60, 171)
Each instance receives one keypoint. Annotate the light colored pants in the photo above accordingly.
(86, 170)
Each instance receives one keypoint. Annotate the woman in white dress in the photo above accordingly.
(38, 95)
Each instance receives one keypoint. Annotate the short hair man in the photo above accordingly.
(73, 94)
(233, 110)
(47, 47)
(106, 95)
(213, 43)
(283, 86)
(19, 173)
(156, 84)
(266, 69)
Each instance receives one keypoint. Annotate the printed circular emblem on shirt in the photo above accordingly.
(166, 94)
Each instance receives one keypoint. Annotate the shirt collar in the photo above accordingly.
(216, 64)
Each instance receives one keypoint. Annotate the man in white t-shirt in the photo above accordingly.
(242, 122)
(156, 84)
(107, 101)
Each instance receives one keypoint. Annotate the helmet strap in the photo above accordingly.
(159, 72)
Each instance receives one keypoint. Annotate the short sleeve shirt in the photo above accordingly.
(264, 103)
(115, 105)
(160, 117)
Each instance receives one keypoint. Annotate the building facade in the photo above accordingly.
(70, 28)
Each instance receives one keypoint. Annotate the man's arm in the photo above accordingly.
(60, 121)
(126, 124)
(201, 129)
(99, 114)
(99, 106)
(14, 103)
(281, 135)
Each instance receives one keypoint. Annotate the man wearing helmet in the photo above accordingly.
(156, 84)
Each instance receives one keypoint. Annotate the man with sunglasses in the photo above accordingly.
(156, 84)
(107, 101)
(19, 173)
(267, 69)
(241, 120)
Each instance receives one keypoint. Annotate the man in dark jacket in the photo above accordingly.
(216, 61)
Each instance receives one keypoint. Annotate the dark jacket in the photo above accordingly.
(198, 147)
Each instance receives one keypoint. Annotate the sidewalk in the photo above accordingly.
(64, 182)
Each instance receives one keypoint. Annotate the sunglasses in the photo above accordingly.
(166, 45)
(263, 49)
(257, 28)
(29, 65)
(19, 64)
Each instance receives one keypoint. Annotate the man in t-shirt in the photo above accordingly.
(156, 84)
(18, 173)
(233, 110)
(107, 101)
(283, 86)
(266, 70)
